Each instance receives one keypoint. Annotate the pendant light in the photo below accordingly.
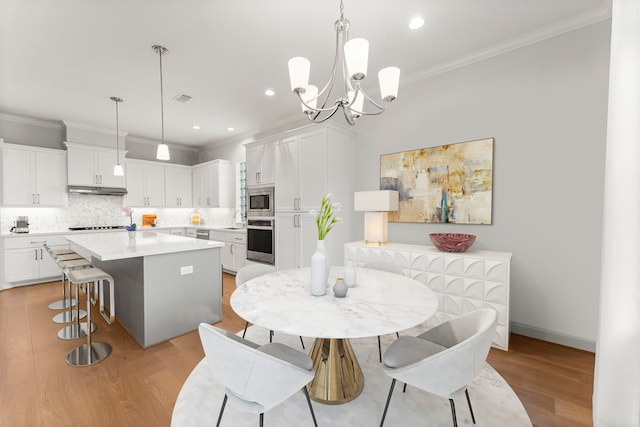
(117, 169)
(163, 149)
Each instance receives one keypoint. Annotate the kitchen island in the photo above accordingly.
(165, 285)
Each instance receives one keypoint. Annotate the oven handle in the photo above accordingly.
(257, 227)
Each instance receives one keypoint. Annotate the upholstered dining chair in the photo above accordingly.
(391, 268)
(251, 271)
(443, 360)
(256, 378)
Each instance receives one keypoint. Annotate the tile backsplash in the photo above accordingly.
(94, 210)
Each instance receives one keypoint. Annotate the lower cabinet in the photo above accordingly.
(234, 253)
(26, 260)
(463, 282)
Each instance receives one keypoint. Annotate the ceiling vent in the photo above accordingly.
(181, 97)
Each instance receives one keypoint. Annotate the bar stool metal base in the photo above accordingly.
(68, 316)
(72, 332)
(86, 355)
(60, 304)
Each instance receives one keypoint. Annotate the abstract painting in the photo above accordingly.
(446, 184)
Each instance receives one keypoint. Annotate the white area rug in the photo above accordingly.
(494, 402)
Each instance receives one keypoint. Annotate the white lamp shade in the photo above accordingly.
(375, 228)
(356, 53)
(163, 152)
(375, 201)
(299, 68)
(357, 104)
(310, 97)
(118, 170)
(389, 79)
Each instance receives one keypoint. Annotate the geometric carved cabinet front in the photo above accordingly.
(462, 282)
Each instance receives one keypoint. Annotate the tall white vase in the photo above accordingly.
(319, 270)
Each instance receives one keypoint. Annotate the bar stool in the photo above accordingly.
(91, 352)
(76, 329)
(69, 315)
(64, 302)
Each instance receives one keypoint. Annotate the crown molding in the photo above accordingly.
(31, 122)
(576, 22)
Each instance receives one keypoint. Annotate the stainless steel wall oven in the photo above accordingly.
(260, 240)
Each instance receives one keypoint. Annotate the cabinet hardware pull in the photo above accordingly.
(36, 254)
(231, 248)
(33, 199)
(40, 253)
(38, 198)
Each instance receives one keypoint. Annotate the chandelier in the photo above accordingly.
(351, 58)
(117, 169)
(163, 149)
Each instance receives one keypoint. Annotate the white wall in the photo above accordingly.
(546, 107)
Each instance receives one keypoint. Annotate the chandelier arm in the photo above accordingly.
(349, 117)
(328, 87)
(335, 106)
(324, 119)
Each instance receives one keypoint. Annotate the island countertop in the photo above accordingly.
(114, 246)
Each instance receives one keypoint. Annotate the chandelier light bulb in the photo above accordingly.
(299, 69)
(356, 54)
(357, 104)
(310, 97)
(389, 79)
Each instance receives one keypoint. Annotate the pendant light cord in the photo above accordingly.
(160, 51)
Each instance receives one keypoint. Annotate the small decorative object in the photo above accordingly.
(340, 288)
(452, 242)
(349, 275)
(129, 212)
(132, 234)
(325, 220)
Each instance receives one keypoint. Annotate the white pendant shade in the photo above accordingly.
(389, 79)
(310, 97)
(299, 69)
(118, 170)
(356, 53)
(163, 152)
(358, 104)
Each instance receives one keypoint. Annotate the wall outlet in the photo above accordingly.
(186, 270)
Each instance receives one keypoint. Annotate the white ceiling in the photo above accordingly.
(63, 59)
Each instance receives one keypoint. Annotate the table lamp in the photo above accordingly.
(375, 204)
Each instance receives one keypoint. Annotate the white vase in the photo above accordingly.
(132, 234)
(319, 270)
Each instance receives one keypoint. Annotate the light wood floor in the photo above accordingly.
(136, 387)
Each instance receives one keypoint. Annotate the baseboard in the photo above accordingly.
(551, 336)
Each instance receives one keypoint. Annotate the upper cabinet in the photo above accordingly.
(260, 163)
(177, 186)
(32, 176)
(93, 166)
(145, 183)
(214, 184)
(310, 163)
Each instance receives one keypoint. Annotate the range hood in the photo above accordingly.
(103, 191)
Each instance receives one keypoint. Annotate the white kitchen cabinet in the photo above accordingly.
(178, 232)
(93, 166)
(145, 183)
(296, 240)
(26, 260)
(463, 282)
(260, 163)
(234, 253)
(33, 176)
(214, 184)
(177, 186)
(310, 163)
(191, 232)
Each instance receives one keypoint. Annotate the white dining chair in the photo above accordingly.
(391, 268)
(256, 378)
(443, 360)
(249, 272)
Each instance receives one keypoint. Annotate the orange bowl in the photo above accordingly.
(452, 242)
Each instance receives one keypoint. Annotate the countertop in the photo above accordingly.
(117, 245)
(66, 231)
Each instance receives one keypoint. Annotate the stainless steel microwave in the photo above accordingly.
(260, 201)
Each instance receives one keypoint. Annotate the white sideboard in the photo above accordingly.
(463, 282)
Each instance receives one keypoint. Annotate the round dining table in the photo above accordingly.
(379, 303)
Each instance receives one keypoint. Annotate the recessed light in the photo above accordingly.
(196, 127)
(416, 23)
(269, 92)
(230, 129)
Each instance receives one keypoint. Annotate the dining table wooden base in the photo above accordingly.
(338, 378)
